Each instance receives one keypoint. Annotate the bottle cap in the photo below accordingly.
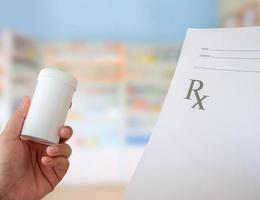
(58, 75)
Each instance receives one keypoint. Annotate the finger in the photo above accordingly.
(56, 150)
(60, 163)
(15, 123)
(65, 133)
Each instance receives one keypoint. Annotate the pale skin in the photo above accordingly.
(29, 170)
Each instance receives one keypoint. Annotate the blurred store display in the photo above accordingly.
(241, 13)
(98, 103)
(121, 89)
(149, 69)
(120, 92)
(19, 66)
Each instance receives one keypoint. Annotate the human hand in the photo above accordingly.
(29, 170)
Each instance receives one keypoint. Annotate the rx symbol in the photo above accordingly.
(195, 87)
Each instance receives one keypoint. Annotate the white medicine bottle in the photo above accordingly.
(49, 106)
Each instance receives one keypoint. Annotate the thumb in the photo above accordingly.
(15, 124)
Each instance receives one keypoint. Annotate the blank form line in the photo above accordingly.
(240, 58)
(236, 50)
(228, 70)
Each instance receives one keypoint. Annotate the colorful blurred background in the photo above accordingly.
(124, 54)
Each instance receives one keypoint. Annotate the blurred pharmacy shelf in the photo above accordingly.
(19, 66)
(98, 104)
(120, 93)
(149, 69)
(239, 13)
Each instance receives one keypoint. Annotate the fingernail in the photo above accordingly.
(54, 149)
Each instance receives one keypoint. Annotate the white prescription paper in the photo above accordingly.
(206, 143)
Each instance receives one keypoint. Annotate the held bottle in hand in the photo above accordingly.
(49, 107)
